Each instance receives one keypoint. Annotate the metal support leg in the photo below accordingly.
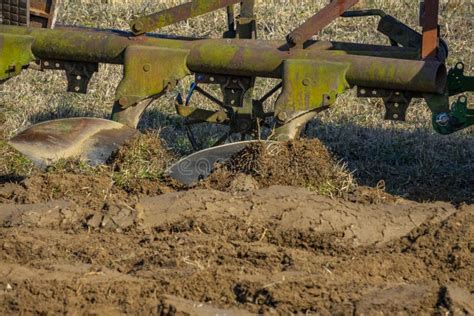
(429, 19)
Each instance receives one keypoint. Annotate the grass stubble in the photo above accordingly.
(408, 158)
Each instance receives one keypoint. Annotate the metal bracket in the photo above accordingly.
(148, 72)
(396, 106)
(196, 115)
(401, 34)
(15, 54)
(459, 117)
(309, 85)
(78, 74)
(458, 82)
(246, 27)
(247, 22)
(396, 102)
(236, 91)
(308, 88)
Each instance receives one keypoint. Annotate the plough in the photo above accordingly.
(312, 75)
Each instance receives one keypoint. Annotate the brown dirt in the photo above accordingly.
(79, 244)
(280, 249)
(304, 163)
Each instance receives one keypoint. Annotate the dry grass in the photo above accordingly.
(408, 157)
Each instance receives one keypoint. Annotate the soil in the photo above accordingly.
(253, 242)
(305, 163)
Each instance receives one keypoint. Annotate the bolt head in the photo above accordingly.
(138, 27)
(244, 125)
(442, 119)
(306, 82)
(201, 77)
(146, 67)
(123, 101)
(282, 116)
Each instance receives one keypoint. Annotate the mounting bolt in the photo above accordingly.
(201, 78)
(442, 119)
(138, 27)
(282, 116)
(306, 82)
(294, 38)
(146, 67)
(123, 101)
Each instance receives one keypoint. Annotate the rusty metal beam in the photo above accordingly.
(319, 21)
(178, 13)
(429, 19)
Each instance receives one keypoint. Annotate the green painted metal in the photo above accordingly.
(148, 72)
(458, 82)
(236, 57)
(217, 56)
(458, 118)
(15, 54)
(201, 115)
(308, 85)
(105, 46)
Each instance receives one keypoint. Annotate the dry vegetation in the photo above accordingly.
(408, 158)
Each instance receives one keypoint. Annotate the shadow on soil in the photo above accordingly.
(9, 178)
(416, 165)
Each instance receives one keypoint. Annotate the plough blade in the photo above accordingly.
(198, 166)
(91, 139)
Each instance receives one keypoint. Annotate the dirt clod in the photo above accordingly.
(305, 163)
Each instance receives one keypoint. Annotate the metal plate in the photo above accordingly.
(200, 165)
(89, 138)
